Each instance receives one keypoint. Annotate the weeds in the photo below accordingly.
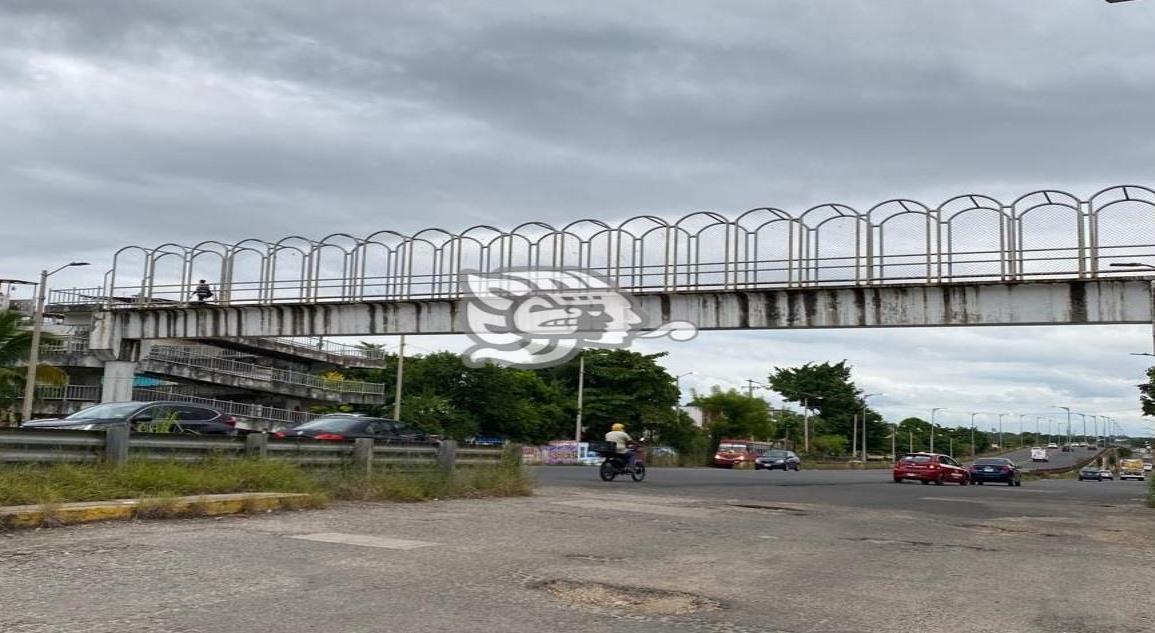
(160, 482)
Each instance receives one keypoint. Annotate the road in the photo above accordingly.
(1055, 458)
(870, 489)
(686, 551)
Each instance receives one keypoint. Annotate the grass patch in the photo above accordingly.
(161, 482)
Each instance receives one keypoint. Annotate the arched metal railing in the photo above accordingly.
(1040, 235)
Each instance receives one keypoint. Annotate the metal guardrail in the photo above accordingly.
(194, 357)
(117, 445)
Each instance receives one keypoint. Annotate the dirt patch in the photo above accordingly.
(641, 600)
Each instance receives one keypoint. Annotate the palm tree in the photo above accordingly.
(15, 345)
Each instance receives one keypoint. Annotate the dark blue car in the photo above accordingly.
(995, 470)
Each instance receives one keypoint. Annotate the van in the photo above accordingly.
(1039, 454)
(1131, 469)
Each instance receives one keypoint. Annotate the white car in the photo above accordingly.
(1052, 445)
(1147, 467)
(1039, 454)
(1106, 474)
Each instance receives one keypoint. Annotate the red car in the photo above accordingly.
(928, 468)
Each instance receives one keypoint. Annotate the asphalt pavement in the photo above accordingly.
(1056, 458)
(686, 551)
(863, 489)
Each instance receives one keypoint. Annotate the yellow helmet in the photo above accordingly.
(618, 427)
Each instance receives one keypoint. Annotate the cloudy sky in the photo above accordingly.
(124, 122)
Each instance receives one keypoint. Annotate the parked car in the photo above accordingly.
(995, 469)
(1146, 467)
(777, 459)
(930, 468)
(342, 427)
(1091, 473)
(1107, 474)
(194, 419)
(1052, 445)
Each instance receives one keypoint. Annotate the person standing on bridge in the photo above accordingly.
(203, 291)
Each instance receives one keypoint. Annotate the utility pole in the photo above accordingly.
(580, 395)
(974, 448)
(806, 424)
(932, 413)
(400, 379)
(854, 442)
(34, 353)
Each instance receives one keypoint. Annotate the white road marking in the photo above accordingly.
(1021, 490)
(957, 499)
(363, 540)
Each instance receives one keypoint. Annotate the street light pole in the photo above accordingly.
(932, 413)
(34, 353)
(399, 384)
(1068, 410)
(1001, 430)
(580, 394)
(678, 385)
(865, 397)
(974, 448)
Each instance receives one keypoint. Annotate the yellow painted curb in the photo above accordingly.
(52, 515)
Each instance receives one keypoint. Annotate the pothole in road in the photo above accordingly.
(648, 601)
(887, 541)
(769, 508)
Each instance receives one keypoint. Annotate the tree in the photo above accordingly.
(1147, 393)
(829, 445)
(15, 348)
(731, 414)
(621, 386)
(828, 388)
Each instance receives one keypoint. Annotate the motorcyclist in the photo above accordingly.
(622, 441)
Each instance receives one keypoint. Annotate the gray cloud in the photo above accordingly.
(126, 122)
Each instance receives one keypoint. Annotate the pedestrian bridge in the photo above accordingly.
(1047, 257)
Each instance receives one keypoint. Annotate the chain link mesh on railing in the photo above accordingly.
(1041, 235)
(196, 357)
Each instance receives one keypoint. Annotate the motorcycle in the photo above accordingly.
(614, 463)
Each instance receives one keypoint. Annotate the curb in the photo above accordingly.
(56, 515)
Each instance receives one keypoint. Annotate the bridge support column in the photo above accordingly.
(118, 381)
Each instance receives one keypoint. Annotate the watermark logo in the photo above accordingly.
(543, 317)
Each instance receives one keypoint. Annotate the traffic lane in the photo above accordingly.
(870, 489)
(1056, 458)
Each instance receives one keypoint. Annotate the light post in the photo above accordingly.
(1038, 419)
(1021, 429)
(1068, 410)
(1001, 430)
(34, 353)
(932, 413)
(1084, 416)
(400, 384)
(678, 384)
(865, 397)
(974, 448)
(580, 394)
(806, 418)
